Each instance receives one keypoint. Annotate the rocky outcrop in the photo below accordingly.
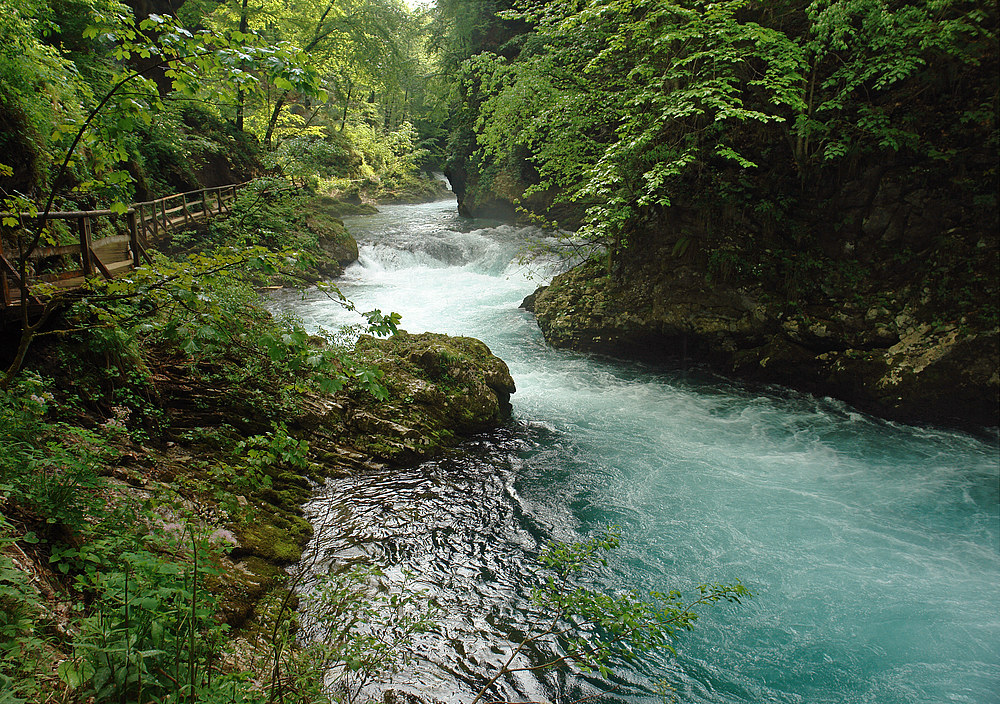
(336, 247)
(441, 389)
(889, 359)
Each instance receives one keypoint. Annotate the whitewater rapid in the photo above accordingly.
(873, 548)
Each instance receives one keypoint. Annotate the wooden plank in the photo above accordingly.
(100, 265)
(60, 276)
(43, 252)
(68, 214)
(145, 254)
(105, 242)
(9, 267)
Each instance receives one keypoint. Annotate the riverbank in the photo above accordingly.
(163, 438)
(893, 356)
(216, 487)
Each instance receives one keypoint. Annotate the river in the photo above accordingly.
(872, 548)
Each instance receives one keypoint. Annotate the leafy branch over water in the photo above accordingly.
(588, 629)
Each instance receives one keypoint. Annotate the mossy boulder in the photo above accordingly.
(337, 247)
(350, 204)
(684, 316)
(440, 389)
(890, 357)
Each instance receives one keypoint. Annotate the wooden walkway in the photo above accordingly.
(68, 266)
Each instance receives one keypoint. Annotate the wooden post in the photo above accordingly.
(146, 227)
(85, 246)
(133, 238)
(184, 207)
(163, 210)
(204, 204)
(4, 283)
(4, 286)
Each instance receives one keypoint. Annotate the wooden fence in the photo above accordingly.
(110, 255)
(163, 215)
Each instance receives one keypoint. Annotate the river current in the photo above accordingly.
(872, 548)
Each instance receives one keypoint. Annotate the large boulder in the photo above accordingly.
(440, 389)
(885, 359)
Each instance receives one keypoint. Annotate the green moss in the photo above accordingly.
(276, 537)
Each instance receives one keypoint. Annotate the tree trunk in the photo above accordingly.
(274, 119)
(347, 103)
(240, 97)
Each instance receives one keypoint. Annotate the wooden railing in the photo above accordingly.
(156, 217)
(108, 256)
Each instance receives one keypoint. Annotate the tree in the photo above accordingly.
(630, 108)
(131, 99)
(352, 43)
(617, 102)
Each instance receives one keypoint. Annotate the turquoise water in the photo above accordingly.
(873, 548)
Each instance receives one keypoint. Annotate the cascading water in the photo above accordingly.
(873, 548)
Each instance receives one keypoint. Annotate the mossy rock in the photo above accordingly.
(242, 586)
(441, 388)
(333, 207)
(277, 537)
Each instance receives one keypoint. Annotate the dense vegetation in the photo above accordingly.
(159, 431)
(143, 432)
(816, 152)
(742, 111)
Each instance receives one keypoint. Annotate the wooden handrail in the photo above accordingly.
(140, 224)
(209, 189)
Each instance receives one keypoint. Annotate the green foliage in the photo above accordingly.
(618, 102)
(20, 638)
(628, 108)
(150, 633)
(145, 626)
(102, 101)
(861, 51)
(588, 629)
(258, 455)
(47, 471)
(205, 306)
(361, 627)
